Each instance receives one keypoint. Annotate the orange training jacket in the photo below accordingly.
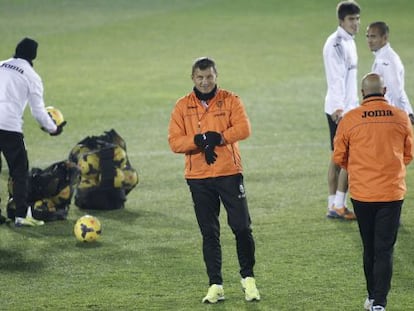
(226, 115)
(374, 142)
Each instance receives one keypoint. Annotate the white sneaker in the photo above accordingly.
(215, 294)
(28, 222)
(377, 308)
(368, 303)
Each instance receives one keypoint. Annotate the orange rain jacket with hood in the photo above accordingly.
(226, 115)
(374, 142)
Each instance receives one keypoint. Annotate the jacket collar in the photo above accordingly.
(344, 34)
(382, 50)
(374, 98)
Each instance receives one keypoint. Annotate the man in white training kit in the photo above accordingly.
(388, 65)
(340, 60)
(19, 85)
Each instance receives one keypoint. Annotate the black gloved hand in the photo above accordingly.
(200, 140)
(59, 129)
(210, 155)
(213, 138)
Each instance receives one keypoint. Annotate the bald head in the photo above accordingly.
(372, 84)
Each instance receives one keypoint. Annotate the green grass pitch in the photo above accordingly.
(122, 64)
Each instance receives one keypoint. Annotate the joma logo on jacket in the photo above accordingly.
(376, 113)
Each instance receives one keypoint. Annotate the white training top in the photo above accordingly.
(19, 85)
(388, 64)
(340, 60)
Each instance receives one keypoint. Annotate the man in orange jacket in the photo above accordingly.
(374, 143)
(206, 126)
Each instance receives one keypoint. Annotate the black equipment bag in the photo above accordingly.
(50, 191)
(106, 174)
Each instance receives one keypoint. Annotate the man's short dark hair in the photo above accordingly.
(203, 63)
(346, 8)
(381, 26)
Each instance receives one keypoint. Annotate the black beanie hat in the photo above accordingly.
(26, 49)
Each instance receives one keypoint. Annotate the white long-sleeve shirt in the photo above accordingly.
(19, 85)
(388, 64)
(340, 60)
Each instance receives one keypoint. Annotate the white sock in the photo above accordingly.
(29, 212)
(339, 199)
(331, 201)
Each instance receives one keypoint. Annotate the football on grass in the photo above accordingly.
(87, 229)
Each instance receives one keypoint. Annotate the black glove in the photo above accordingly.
(213, 138)
(200, 140)
(210, 155)
(59, 129)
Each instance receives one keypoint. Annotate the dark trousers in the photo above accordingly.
(14, 151)
(378, 225)
(207, 194)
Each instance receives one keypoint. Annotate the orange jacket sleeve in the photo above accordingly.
(180, 138)
(239, 128)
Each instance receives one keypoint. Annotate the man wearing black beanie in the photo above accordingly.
(26, 49)
(21, 85)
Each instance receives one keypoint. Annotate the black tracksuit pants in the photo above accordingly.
(207, 194)
(14, 151)
(378, 225)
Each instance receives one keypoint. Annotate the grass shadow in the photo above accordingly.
(12, 261)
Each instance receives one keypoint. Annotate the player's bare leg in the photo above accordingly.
(333, 174)
(340, 197)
